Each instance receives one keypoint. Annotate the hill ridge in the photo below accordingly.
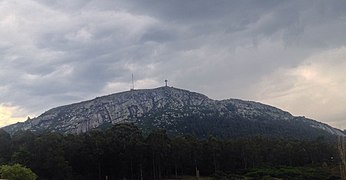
(177, 110)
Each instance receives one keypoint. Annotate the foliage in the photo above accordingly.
(5, 145)
(122, 152)
(16, 172)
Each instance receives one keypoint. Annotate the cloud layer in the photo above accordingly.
(314, 88)
(286, 53)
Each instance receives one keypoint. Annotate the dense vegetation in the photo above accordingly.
(16, 172)
(123, 152)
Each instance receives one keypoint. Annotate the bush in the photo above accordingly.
(16, 172)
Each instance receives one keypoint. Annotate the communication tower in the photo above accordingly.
(133, 84)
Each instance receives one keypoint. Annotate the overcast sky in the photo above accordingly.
(289, 54)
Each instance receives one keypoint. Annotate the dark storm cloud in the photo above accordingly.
(58, 52)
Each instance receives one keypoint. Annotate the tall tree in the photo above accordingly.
(5, 147)
(159, 144)
(48, 157)
(22, 145)
(125, 143)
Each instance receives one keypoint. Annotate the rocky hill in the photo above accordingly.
(179, 112)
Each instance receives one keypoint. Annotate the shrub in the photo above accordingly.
(16, 172)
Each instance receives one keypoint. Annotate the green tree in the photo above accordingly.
(125, 145)
(159, 144)
(5, 147)
(48, 157)
(213, 147)
(22, 145)
(179, 154)
(16, 172)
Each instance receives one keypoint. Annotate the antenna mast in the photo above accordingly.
(133, 83)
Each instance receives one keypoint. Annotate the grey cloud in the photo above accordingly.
(192, 11)
(159, 35)
(70, 51)
(64, 5)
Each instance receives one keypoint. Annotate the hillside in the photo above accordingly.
(179, 112)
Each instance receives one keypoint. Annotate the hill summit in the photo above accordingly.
(179, 112)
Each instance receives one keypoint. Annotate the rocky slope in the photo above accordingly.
(179, 111)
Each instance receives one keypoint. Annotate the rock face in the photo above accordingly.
(179, 111)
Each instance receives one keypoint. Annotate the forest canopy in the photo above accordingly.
(123, 152)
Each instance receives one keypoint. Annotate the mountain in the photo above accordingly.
(179, 112)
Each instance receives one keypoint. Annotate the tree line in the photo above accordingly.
(122, 152)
